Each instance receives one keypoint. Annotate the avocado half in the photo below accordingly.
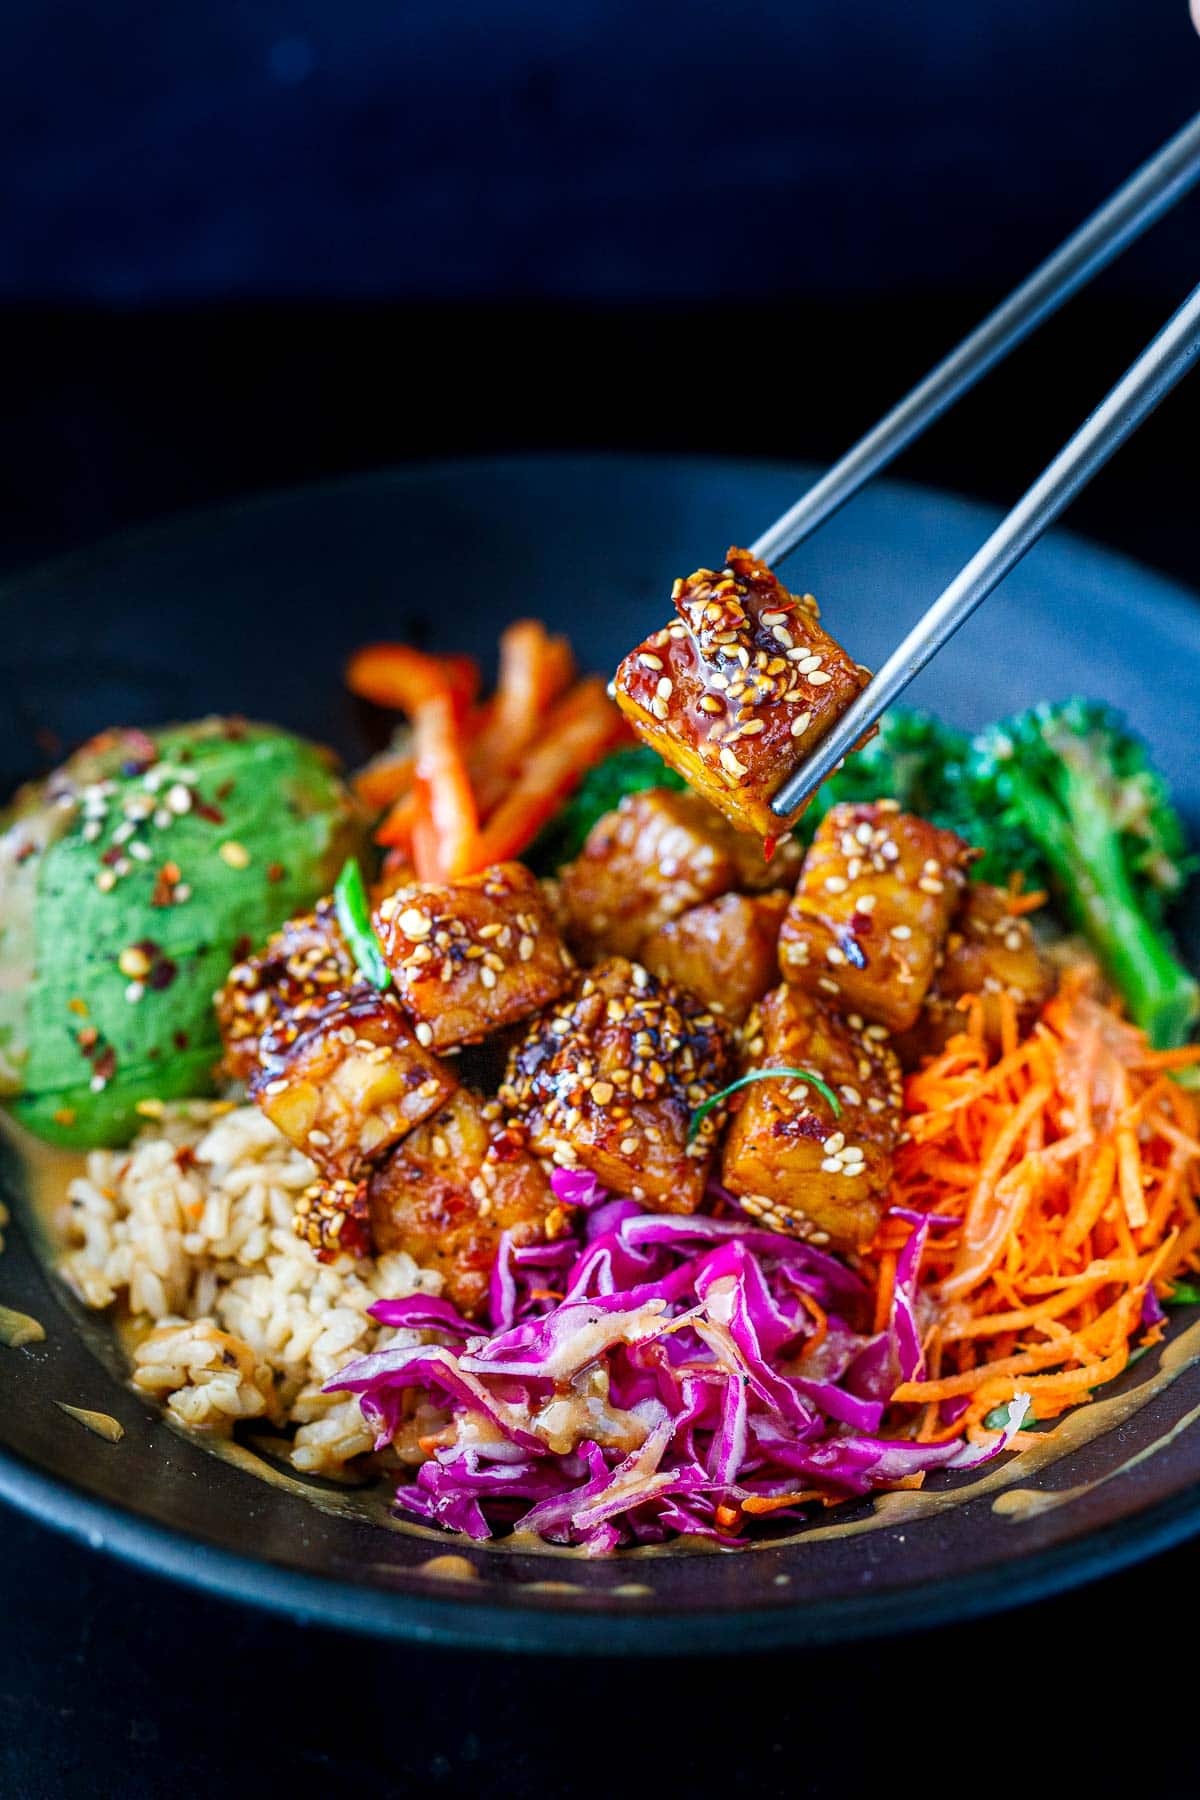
(130, 881)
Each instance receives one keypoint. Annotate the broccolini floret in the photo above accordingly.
(621, 772)
(1073, 779)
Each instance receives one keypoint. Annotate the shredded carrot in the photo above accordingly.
(1069, 1164)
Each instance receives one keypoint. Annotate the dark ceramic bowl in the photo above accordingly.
(252, 609)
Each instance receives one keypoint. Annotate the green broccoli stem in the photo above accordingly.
(1088, 866)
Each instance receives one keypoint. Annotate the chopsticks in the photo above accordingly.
(1125, 215)
(1161, 365)
(1135, 206)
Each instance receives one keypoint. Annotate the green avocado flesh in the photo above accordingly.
(113, 940)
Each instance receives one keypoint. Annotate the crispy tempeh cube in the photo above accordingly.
(659, 853)
(608, 1079)
(450, 1189)
(990, 951)
(345, 1081)
(737, 691)
(867, 923)
(725, 952)
(793, 1165)
(303, 965)
(474, 955)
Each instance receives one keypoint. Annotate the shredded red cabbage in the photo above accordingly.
(648, 1376)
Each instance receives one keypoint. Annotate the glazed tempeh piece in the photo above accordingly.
(607, 1080)
(658, 854)
(793, 1165)
(868, 921)
(725, 952)
(989, 951)
(471, 957)
(302, 966)
(737, 690)
(346, 1081)
(450, 1189)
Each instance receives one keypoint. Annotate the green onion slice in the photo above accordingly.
(822, 1087)
(354, 916)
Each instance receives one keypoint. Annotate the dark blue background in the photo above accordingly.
(613, 150)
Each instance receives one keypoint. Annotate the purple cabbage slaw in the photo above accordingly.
(649, 1374)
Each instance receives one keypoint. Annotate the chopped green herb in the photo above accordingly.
(1184, 1293)
(354, 916)
(702, 1112)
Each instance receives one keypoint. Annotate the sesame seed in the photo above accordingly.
(178, 798)
(628, 1146)
(658, 708)
(827, 986)
(831, 1166)
(890, 851)
(424, 1034)
(851, 1096)
(836, 884)
(834, 1142)
(134, 992)
(525, 948)
(800, 724)
(1012, 940)
(819, 677)
(488, 932)
(232, 853)
(414, 924)
(782, 635)
(106, 881)
(602, 1092)
(929, 884)
(774, 618)
(665, 688)
(834, 955)
(709, 705)
(163, 818)
(487, 976)
(181, 892)
(650, 662)
(752, 728)
(866, 903)
(731, 765)
(91, 831)
(124, 832)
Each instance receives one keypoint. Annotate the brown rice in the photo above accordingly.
(191, 1230)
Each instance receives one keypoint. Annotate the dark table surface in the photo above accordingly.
(114, 1683)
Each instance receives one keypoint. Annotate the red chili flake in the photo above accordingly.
(769, 848)
(162, 974)
(112, 855)
(808, 1125)
(164, 885)
(205, 810)
(275, 871)
(242, 948)
(87, 1039)
(26, 850)
(225, 789)
(236, 728)
(185, 1157)
(148, 947)
(180, 1039)
(105, 1065)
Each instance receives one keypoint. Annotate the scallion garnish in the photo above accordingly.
(354, 916)
(822, 1087)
